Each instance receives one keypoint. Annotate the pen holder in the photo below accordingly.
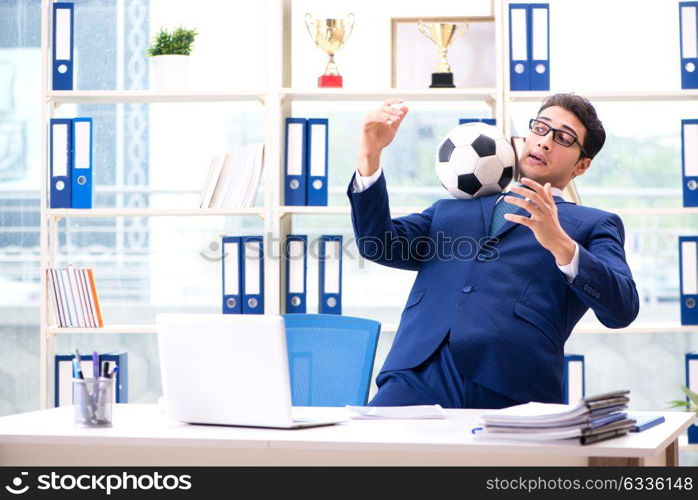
(92, 400)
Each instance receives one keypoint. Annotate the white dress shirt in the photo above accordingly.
(570, 270)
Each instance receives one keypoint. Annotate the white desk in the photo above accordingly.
(141, 435)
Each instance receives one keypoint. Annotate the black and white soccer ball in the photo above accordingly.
(475, 159)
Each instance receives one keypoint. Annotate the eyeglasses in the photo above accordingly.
(559, 136)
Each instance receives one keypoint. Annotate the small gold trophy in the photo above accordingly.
(330, 35)
(442, 34)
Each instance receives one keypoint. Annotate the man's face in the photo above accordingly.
(544, 160)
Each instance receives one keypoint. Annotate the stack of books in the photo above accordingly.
(233, 178)
(592, 419)
(74, 297)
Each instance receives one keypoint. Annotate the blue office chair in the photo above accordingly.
(330, 358)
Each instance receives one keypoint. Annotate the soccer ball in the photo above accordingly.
(475, 159)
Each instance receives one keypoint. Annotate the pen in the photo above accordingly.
(95, 365)
(101, 398)
(78, 368)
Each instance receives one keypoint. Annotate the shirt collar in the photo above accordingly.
(553, 190)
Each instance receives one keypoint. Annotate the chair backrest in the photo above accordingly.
(330, 358)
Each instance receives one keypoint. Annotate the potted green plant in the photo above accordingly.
(690, 405)
(169, 55)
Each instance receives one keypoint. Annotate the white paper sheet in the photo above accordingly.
(396, 412)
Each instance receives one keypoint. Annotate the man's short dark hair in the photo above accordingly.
(584, 110)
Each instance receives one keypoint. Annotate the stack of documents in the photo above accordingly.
(592, 419)
(233, 178)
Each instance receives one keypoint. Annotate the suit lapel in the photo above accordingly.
(488, 202)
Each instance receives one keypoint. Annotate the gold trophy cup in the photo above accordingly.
(442, 34)
(330, 35)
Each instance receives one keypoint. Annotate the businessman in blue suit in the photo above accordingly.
(485, 324)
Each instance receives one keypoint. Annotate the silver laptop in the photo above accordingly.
(227, 369)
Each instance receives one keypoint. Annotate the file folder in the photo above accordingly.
(488, 121)
(296, 272)
(692, 384)
(688, 259)
(519, 66)
(644, 422)
(252, 260)
(574, 387)
(54, 291)
(80, 297)
(330, 298)
(63, 376)
(688, 26)
(539, 64)
(94, 297)
(62, 46)
(81, 172)
(69, 297)
(232, 275)
(317, 161)
(62, 299)
(61, 139)
(296, 162)
(83, 276)
(689, 162)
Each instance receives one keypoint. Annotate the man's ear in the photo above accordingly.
(581, 167)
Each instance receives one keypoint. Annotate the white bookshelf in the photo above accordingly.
(679, 95)
(58, 97)
(60, 213)
(409, 95)
(276, 99)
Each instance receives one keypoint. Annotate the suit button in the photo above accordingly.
(467, 289)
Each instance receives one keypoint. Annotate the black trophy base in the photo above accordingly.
(442, 80)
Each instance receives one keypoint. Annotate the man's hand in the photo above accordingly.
(378, 130)
(543, 220)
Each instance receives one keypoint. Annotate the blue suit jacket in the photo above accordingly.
(508, 306)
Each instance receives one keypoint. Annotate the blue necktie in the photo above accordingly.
(502, 207)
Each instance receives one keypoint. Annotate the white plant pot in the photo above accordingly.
(169, 72)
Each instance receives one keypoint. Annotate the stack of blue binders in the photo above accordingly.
(243, 274)
(70, 163)
(305, 162)
(295, 257)
(529, 46)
